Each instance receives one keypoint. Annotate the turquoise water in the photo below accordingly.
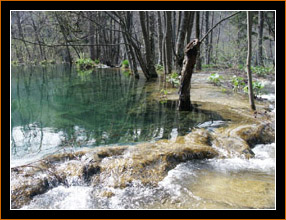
(53, 107)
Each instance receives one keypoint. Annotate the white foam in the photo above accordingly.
(74, 197)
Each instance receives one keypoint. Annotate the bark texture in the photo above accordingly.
(191, 52)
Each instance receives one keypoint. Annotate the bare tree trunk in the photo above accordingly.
(181, 40)
(37, 37)
(160, 39)
(149, 58)
(191, 52)
(260, 38)
(168, 40)
(68, 58)
(131, 55)
(207, 60)
(211, 41)
(174, 36)
(91, 37)
(199, 65)
(190, 28)
(248, 61)
(21, 34)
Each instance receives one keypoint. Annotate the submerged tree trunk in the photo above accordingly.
(248, 61)
(191, 52)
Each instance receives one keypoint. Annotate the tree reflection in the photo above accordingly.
(100, 107)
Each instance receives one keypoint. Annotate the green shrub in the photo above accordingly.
(215, 78)
(125, 64)
(174, 79)
(257, 88)
(159, 67)
(84, 63)
(237, 83)
(261, 70)
(96, 61)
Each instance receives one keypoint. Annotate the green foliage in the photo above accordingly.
(159, 67)
(223, 90)
(174, 79)
(208, 66)
(241, 67)
(125, 64)
(14, 62)
(257, 88)
(261, 70)
(84, 63)
(164, 92)
(237, 83)
(96, 61)
(215, 78)
(43, 62)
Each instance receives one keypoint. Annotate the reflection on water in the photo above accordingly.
(56, 106)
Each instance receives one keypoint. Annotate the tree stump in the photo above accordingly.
(189, 62)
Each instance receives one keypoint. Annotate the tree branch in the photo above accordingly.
(210, 30)
(61, 45)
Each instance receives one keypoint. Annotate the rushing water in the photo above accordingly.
(54, 107)
(210, 184)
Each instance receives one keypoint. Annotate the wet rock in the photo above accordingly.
(148, 163)
(107, 194)
(25, 186)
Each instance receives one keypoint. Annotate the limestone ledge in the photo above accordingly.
(118, 166)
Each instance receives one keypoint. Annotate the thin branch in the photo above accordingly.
(61, 45)
(210, 30)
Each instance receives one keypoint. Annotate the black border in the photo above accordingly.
(279, 213)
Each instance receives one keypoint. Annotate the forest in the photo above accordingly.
(143, 109)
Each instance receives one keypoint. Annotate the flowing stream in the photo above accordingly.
(57, 108)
